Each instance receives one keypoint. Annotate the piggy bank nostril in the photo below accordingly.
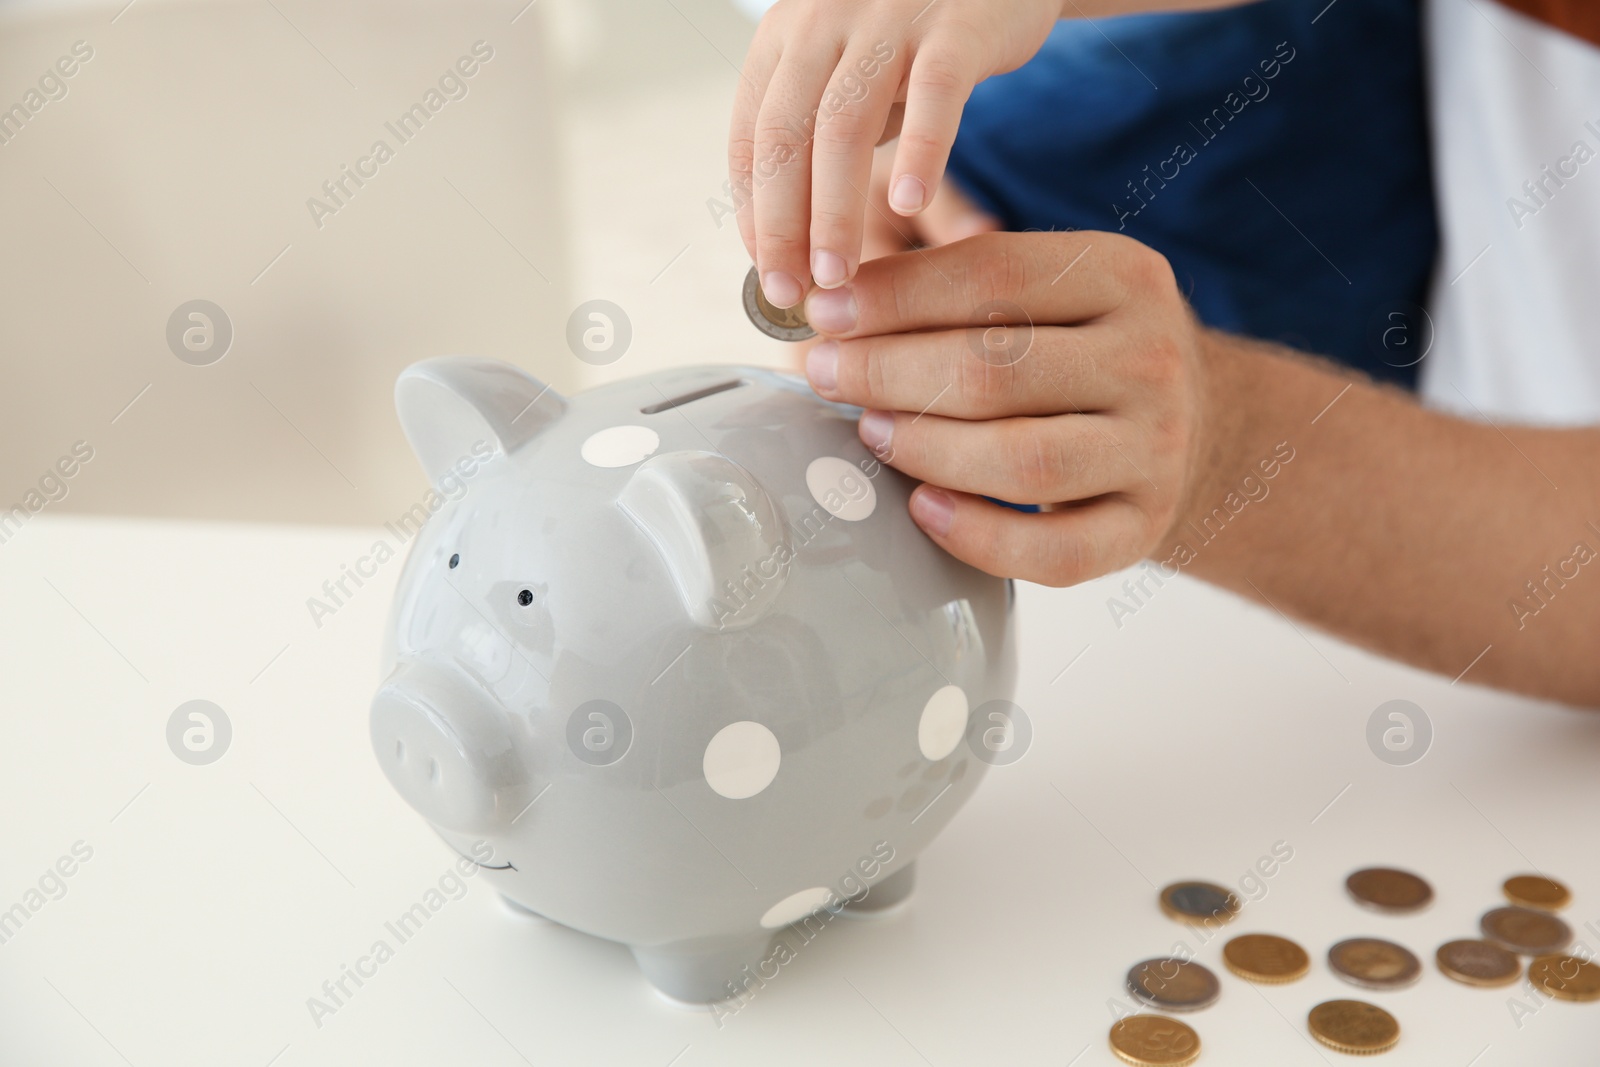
(433, 770)
(399, 751)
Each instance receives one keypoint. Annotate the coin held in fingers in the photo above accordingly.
(786, 324)
(1389, 890)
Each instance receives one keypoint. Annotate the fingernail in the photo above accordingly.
(822, 367)
(908, 194)
(780, 289)
(832, 310)
(827, 268)
(933, 510)
(876, 428)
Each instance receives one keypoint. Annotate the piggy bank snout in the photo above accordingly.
(446, 748)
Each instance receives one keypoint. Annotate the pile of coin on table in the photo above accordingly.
(1528, 927)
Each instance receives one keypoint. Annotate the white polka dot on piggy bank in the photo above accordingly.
(713, 550)
(841, 487)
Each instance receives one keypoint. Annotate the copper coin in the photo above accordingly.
(1537, 891)
(1353, 1026)
(1526, 930)
(1199, 902)
(1389, 890)
(786, 324)
(1173, 984)
(1565, 977)
(1154, 1041)
(1478, 963)
(1373, 963)
(1265, 958)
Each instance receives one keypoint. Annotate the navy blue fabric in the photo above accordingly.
(1302, 208)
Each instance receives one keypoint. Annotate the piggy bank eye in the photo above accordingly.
(455, 558)
(525, 597)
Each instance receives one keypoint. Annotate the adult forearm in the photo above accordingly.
(1442, 542)
(1096, 9)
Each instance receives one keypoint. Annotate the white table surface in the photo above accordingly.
(1185, 744)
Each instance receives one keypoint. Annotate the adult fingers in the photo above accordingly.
(1056, 548)
(1045, 370)
(989, 280)
(1023, 460)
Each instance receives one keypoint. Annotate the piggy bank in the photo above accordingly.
(671, 662)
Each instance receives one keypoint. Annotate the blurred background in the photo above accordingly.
(185, 157)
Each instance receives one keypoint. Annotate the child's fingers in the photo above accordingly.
(1057, 548)
(891, 125)
(1023, 460)
(782, 174)
(758, 67)
(942, 76)
(853, 112)
(953, 216)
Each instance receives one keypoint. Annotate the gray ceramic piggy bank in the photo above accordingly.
(680, 658)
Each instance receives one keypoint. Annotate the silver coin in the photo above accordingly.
(786, 324)
(1173, 984)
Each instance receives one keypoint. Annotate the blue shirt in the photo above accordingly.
(1276, 153)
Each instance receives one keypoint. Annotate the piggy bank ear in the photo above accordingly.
(453, 404)
(717, 531)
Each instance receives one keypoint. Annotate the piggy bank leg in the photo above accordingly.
(704, 970)
(887, 897)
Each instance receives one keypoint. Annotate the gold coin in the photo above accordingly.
(1265, 958)
(1565, 977)
(1374, 963)
(1154, 1041)
(1537, 891)
(1173, 984)
(786, 324)
(1478, 963)
(1353, 1026)
(1526, 930)
(1389, 890)
(1199, 902)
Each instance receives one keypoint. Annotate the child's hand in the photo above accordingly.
(1037, 368)
(820, 83)
(950, 216)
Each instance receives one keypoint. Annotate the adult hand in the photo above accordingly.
(1043, 368)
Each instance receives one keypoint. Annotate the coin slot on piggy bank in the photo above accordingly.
(690, 397)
